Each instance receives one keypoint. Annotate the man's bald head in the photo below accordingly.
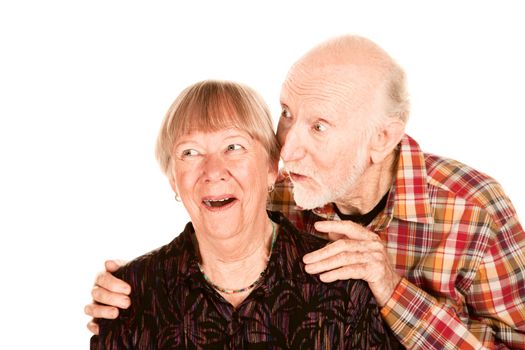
(350, 56)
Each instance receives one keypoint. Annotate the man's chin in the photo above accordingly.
(308, 199)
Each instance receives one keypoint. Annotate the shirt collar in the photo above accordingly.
(409, 198)
(188, 269)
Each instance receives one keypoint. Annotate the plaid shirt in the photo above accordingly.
(454, 236)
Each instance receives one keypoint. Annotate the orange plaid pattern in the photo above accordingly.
(454, 235)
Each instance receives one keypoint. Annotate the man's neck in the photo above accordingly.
(370, 188)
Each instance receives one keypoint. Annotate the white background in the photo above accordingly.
(84, 86)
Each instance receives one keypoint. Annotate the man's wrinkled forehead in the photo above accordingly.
(352, 85)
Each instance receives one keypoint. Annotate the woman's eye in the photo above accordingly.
(319, 127)
(234, 147)
(189, 153)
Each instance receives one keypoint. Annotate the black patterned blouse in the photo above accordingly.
(173, 307)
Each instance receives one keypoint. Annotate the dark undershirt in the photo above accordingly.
(364, 219)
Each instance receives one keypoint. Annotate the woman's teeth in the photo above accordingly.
(218, 202)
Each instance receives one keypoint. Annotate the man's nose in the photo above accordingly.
(292, 147)
(215, 168)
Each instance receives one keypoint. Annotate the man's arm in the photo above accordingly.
(109, 294)
(496, 298)
(420, 321)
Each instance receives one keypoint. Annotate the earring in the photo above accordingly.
(271, 188)
(177, 198)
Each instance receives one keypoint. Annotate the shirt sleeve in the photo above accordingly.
(495, 300)
(419, 321)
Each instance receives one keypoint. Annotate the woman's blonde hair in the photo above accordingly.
(213, 105)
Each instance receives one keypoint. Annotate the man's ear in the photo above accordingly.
(386, 138)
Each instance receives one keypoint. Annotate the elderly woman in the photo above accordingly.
(234, 277)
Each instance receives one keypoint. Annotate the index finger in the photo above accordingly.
(348, 228)
(107, 281)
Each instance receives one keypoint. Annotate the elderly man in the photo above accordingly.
(438, 242)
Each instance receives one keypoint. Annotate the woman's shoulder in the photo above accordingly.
(303, 241)
(165, 260)
(298, 243)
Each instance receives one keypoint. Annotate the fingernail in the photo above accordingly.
(125, 303)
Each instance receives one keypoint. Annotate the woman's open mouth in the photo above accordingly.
(218, 203)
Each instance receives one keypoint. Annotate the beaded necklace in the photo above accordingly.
(251, 286)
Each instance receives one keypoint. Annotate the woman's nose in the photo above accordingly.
(215, 168)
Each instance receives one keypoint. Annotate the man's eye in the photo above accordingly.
(319, 127)
(234, 147)
(189, 153)
(285, 113)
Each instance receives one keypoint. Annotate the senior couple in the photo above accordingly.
(425, 251)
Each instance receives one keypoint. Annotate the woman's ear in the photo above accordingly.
(386, 139)
(173, 184)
